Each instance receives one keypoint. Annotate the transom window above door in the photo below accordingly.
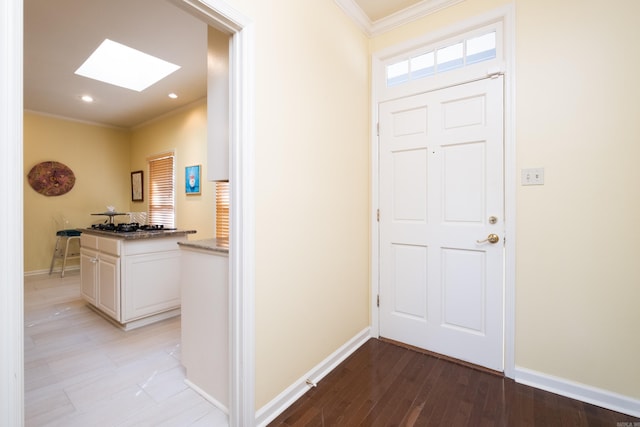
(442, 58)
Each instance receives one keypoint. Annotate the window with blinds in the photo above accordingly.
(222, 210)
(162, 190)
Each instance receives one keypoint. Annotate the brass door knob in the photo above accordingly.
(491, 238)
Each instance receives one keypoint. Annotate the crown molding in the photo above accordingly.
(402, 17)
(353, 11)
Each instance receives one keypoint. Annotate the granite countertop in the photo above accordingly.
(138, 235)
(220, 246)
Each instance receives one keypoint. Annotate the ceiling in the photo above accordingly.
(379, 9)
(59, 35)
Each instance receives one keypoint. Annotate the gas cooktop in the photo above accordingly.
(129, 227)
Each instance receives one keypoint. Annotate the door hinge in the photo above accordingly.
(378, 129)
(378, 215)
(378, 301)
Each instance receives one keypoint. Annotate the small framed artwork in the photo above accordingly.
(137, 186)
(192, 179)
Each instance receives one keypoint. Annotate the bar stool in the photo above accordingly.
(61, 250)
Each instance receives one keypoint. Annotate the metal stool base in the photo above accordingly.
(58, 253)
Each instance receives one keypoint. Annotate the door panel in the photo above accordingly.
(464, 289)
(441, 179)
(410, 271)
(88, 280)
(109, 285)
(464, 112)
(410, 182)
(463, 182)
(410, 122)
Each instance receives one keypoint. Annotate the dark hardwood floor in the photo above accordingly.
(382, 384)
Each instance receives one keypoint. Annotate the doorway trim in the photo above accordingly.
(11, 214)
(218, 14)
(506, 16)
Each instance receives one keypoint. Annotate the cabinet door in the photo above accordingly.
(109, 285)
(88, 271)
(151, 284)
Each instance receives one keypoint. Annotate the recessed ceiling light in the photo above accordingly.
(120, 65)
(87, 98)
(173, 95)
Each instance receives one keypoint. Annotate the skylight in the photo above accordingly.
(120, 65)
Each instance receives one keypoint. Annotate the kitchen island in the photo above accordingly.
(205, 318)
(131, 278)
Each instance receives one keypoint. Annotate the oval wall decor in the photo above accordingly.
(51, 178)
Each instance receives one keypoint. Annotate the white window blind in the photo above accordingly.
(222, 210)
(162, 190)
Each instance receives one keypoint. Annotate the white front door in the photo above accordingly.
(441, 197)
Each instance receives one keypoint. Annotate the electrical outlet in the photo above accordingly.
(533, 176)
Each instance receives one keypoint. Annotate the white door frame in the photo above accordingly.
(241, 251)
(11, 244)
(505, 15)
(221, 16)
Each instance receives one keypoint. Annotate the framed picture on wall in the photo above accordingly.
(137, 192)
(192, 179)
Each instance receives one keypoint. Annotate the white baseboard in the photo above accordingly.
(207, 397)
(56, 271)
(585, 393)
(271, 410)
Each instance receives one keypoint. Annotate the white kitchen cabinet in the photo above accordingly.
(205, 321)
(109, 285)
(153, 268)
(100, 273)
(132, 282)
(88, 274)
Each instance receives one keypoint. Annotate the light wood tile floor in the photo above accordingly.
(80, 370)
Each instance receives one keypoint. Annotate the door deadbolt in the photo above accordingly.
(491, 238)
(493, 220)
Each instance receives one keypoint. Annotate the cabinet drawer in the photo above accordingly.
(147, 246)
(88, 241)
(109, 246)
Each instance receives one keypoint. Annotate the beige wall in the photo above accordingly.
(312, 187)
(99, 159)
(577, 278)
(577, 269)
(102, 159)
(184, 132)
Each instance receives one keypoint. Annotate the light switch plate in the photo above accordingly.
(533, 176)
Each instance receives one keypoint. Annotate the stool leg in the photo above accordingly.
(55, 251)
(64, 259)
